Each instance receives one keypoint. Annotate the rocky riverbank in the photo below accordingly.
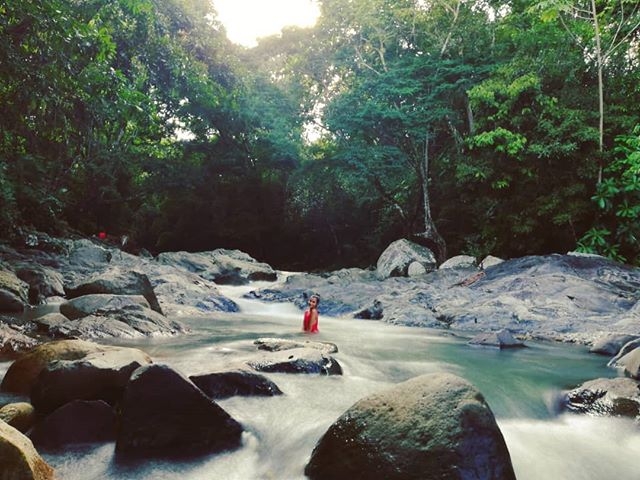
(63, 299)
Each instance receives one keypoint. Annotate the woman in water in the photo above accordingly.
(310, 322)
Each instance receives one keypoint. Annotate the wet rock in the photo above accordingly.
(611, 344)
(88, 256)
(605, 396)
(500, 339)
(279, 344)
(44, 282)
(459, 261)
(631, 363)
(100, 375)
(13, 341)
(490, 261)
(165, 414)
(79, 421)
(628, 347)
(430, 427)
(116, 281)
(221, 266)
(415, 269)
(374, 312)
(90, 304)
(220, 385)
(14, 293)
(22, 373)
(395, 260)
(20, 415)
(184, 293)
(297, 360)
(19, 458)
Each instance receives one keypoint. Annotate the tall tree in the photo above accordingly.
(599, 28)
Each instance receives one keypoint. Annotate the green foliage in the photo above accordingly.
(618, 197)
(139, 117)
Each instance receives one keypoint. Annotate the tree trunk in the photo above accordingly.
(430, 233)
(600, 62)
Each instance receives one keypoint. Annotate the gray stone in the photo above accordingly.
(415, 269)
(100, 375)
(164, 415)
(297, 360)
(14, 293)
(500, 339)
(610, 344)
(23, 372)
(631, 363)
(431, 427)
(459, 261)
(490, 261)
(116, 281)
(221, 266)
(395, 260)
(13, 341)
(220, 385)
(90, 304)
(279, 344)
(606, 397)
(44, 282)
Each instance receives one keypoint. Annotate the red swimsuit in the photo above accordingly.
(306, 323)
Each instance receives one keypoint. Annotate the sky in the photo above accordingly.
(248, 20)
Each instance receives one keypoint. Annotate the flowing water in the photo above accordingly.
(521, 387)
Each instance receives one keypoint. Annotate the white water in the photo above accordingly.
(520, 386)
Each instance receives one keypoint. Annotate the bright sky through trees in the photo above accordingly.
(248, 20)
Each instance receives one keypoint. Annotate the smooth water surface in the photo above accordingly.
(521, 386)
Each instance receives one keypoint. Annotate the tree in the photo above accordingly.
(599, 28)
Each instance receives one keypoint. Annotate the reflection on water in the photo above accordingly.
(519, 385)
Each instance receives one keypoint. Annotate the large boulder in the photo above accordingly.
(395, 260)
(627, 348)
(43, 281)
(14, 293)
(79, 421)
(130, 321)
(100, 375)
(297, 360)
(220, 266)
(431, 427)
(631, 363)
(459, 261)
(19, 459)
(611, 344)
(605, 396)
(220, 385)
(100, 302)
(183, 293)
(22, 373)
(20, 415)
(164, 414)
(86, 255)
(116, 281)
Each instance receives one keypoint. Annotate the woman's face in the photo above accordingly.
(313, 302)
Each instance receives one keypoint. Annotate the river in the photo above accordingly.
(521, 387)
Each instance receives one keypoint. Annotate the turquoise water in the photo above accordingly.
(521, 386)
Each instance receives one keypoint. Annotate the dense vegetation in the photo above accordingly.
(477, 127)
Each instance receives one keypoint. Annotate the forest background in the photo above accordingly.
(476, 127)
